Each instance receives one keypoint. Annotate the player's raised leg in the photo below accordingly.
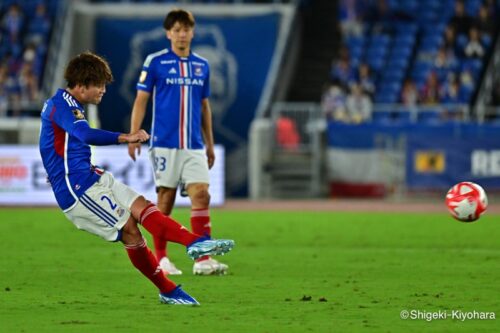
(160, 225)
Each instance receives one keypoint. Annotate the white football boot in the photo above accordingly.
(168, 267)
(209, 267)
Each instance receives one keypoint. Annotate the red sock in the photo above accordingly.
(163, 226)
(200, 224)
(144, 260)
(160, 247)
(200, 221)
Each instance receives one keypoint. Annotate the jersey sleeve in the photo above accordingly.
(206, 85)
(67, 117)
(72, 121)
(94, 136)
(147, 76)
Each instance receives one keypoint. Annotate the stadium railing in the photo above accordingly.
(285, 152)
(485, 91)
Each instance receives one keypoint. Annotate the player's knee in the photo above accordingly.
(131, 235)
(201, 198)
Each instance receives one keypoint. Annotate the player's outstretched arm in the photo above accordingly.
(94, 136)
(98, 137)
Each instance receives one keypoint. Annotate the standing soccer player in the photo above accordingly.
(90, 197)
(181, 130)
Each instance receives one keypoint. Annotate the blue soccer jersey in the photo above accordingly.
(178, 86)
(65, 158)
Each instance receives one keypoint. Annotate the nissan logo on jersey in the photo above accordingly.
(184, 81)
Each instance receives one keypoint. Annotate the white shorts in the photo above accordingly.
(104, 208)
(174, 166)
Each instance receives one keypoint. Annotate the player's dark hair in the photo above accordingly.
(87, 69)
(178, 15)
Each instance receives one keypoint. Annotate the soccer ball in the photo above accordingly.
(466, 201)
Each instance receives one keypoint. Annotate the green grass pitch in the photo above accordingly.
(289, 272)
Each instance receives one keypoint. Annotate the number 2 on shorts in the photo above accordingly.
(111, 204)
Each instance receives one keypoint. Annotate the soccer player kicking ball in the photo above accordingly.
(90, 197)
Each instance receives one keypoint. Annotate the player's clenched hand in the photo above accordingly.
(142, 136)
(137, 137)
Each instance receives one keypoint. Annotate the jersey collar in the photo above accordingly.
(180, 58)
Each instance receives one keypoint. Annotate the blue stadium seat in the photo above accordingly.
(421, 67)
(461, 41)
(376, 52)
(427, 17)
(465, 93)
(404, 116)
(486, 40)
(376, 64)
(431, 42)
(389, 88)
(382, 116)
(386, 97)
(409, 7)
(411, 46)
(356, 51)
(472, 7)
(398, 63)
(404, 41)
(393, 4)
(401, 52)
(429, 116)
(429, 5)
(434, 29)
(393, 86)
(405, 28)
(474, 65)
(380, 40)
(392, 74)
(419, 77)
(353, 41)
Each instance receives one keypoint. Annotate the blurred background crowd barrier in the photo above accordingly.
(311, 98)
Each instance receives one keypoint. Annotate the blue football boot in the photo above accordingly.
(178, 297)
